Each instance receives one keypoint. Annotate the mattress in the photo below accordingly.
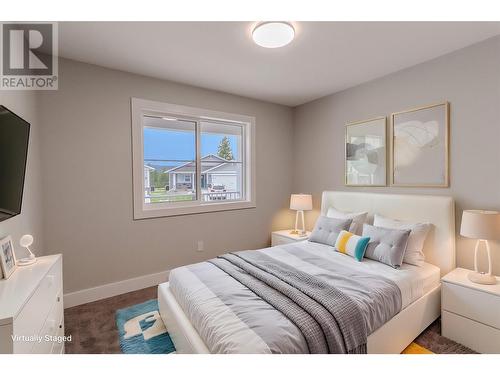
(230, 318)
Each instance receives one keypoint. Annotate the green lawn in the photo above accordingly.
(160, 195)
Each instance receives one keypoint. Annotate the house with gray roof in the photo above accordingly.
(215, 171)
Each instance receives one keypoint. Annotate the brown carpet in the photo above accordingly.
(94, 330)
(93, 326)
(432, 340)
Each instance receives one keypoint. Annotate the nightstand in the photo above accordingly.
(282, 237)
(470, 313)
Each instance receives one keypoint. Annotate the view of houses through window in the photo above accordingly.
(171, 154)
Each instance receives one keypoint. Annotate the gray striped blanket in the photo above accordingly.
(295, 298)
(330, 321)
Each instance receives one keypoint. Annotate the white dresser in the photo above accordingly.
(471, 312)
(31, 308)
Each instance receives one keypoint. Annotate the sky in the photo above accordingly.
(172, 145)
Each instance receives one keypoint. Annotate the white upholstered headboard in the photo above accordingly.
(439, 247)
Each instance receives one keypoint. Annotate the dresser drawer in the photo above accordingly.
(477, 336)
(52, 326)
(33, 315)
(58, 347)
(470, 303)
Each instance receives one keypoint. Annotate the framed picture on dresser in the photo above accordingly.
(365, 152)
(420, 146)
(7, 257)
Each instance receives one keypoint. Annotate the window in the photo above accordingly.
(190, 160)
(168, 146)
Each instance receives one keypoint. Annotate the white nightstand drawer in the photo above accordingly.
(474, 304)
(477, 336)
(278, 240)
(283, 237)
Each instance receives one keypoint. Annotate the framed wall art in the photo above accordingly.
(420, 147)
(365, 153)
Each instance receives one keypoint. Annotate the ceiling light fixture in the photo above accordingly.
(273, 34)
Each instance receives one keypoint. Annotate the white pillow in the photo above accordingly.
(418, 233)
(358, 219)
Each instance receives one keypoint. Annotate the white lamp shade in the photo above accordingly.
(484, 225)
(26, 240)
(301, 202)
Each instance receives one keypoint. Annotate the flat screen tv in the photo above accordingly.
(14, 137)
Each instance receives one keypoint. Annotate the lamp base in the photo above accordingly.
(26, 261)
(482, 278)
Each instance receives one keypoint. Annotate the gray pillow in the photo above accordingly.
(328, 229)
(386, 245)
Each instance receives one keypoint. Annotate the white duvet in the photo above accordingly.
(232, 319)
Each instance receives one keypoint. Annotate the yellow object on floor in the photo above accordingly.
(416, 349)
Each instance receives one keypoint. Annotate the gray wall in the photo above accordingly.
(86, 184)
(87, 179)
(24, 104)
(469, 79)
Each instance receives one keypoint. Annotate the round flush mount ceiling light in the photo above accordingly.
(273, 34)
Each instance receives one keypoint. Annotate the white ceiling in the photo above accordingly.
(324, 58)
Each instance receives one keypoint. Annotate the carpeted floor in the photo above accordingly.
(93, 325)
(432, 340)
(94, 330)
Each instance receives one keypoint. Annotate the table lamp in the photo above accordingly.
(26, 241)
(484, 226)
(300, 203)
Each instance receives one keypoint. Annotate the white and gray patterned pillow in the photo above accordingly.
(358, 219)
(328, 229)
(414, 253)
(386, 245)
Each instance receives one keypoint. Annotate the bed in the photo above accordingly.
(200, 320)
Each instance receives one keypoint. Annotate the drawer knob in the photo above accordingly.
(60, 325)
(58, 299)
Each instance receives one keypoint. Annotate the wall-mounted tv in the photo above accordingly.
(14, 137)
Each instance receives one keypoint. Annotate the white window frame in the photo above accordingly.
(142, 210)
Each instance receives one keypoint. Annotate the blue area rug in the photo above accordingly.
(142, 331)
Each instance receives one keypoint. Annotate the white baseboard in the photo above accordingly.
(113, 289)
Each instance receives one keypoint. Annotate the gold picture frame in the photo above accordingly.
(446, 127)
(349, 126)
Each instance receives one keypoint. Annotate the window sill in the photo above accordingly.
(150, 213)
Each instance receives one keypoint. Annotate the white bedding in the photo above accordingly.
(413, 281)
(244, 323)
